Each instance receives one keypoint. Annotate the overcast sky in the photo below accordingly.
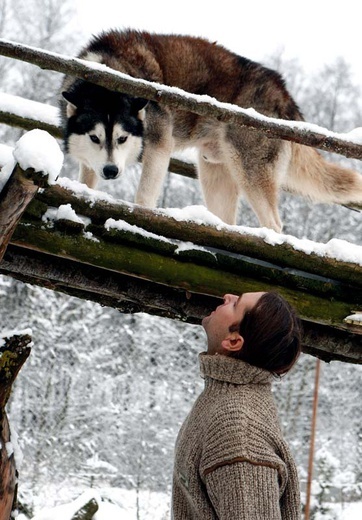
(315, 31)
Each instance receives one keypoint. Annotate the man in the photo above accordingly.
(231, 461)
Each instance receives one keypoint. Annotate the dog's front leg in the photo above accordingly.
(158, 146)
(87, 176)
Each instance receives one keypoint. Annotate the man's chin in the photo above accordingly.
(205, 321)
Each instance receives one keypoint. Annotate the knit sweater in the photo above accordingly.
(231, 461)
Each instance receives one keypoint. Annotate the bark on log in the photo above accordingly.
(293, 131)
(193, 270)
(28, 123)
(14, 198)
(14, 351)
(156, 221)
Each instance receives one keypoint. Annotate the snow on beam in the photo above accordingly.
(300, 132)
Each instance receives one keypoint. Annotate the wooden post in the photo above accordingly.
(312, 440)
(14, 351)
(17, 193)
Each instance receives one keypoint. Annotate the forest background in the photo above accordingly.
(102, 396)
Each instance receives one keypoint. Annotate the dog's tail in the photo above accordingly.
(312, 176)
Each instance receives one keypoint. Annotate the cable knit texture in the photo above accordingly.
(231, 461)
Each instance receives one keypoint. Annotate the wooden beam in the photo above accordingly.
(131, 294)
(148, 260)
(299, 132)
(14, 198)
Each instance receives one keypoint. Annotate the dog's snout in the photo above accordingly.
(110, 171)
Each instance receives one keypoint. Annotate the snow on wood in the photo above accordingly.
(348, 144)
(38, 150)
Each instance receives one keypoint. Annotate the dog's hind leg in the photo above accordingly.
(263, 199)
(220, 191)
(259, 171)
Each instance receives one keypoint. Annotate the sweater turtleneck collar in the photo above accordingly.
(231, 370)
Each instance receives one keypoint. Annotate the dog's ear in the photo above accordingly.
(71, 103)
(138, 105)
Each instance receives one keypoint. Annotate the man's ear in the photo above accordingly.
(233, 342)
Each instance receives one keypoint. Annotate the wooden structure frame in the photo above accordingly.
(133, 273)
(143, 265)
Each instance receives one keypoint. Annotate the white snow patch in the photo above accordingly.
(190, 246)
(9, 449)
(197, 214)
(18, 454)
(64, 212)
(337, 249)
(39, 150)
(116, 504)
(6, 171)
(96, 464)
(9, 333)
(29, 109)
(66, 511)
(81, 190)
(6, 154)
(354, 318)
(122, 225)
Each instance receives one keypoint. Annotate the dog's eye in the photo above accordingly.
(122, 139)
(94, 139)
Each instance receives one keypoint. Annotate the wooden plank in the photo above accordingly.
(131, 294)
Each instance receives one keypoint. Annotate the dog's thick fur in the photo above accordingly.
(106, 131)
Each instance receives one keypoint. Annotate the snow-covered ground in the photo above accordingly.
(350, 511)
(116, 503)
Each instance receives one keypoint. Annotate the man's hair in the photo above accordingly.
(272, 335)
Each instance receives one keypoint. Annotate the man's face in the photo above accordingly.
(217, 325)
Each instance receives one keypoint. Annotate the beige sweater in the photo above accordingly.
(231, 461)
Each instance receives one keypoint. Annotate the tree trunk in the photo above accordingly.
(14, 351)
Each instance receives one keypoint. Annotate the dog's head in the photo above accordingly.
(103, 129)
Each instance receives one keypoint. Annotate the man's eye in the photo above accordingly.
(122, 139)
(94, 139)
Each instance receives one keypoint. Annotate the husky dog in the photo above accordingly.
(105, 131)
